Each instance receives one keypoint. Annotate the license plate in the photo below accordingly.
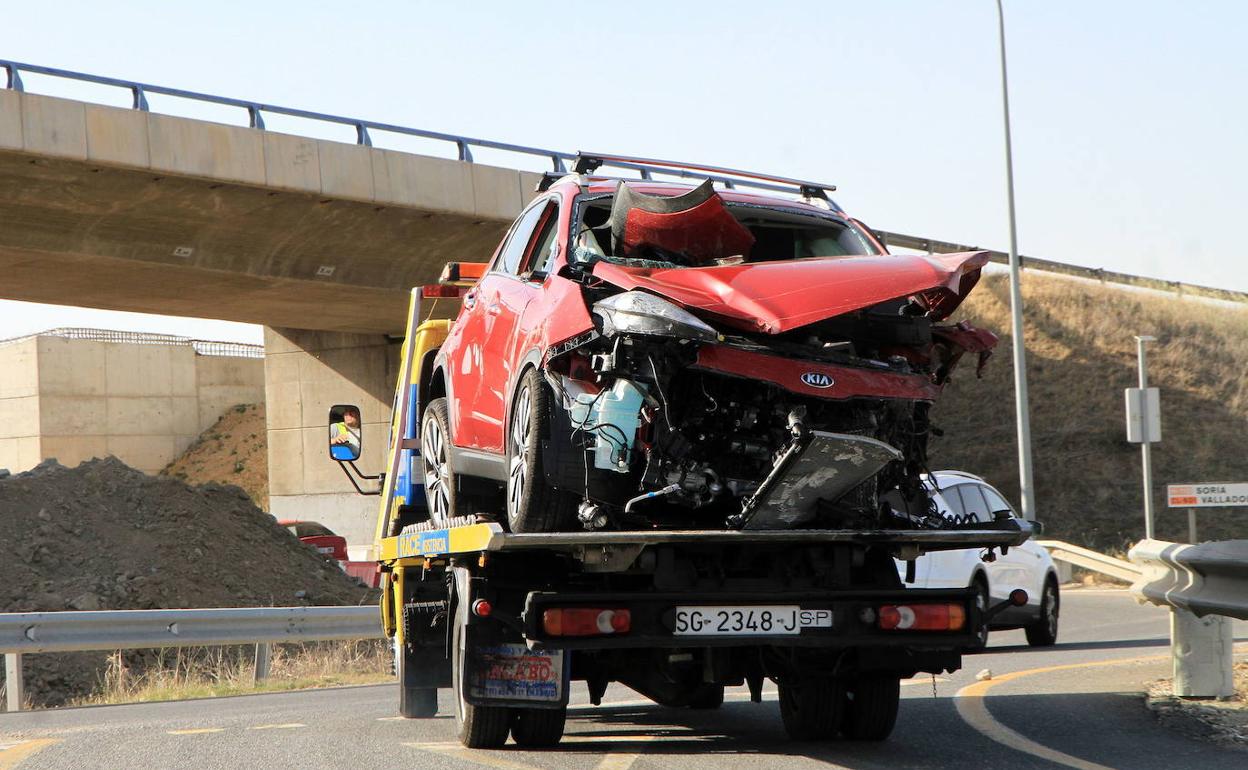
(781, 620)
(514, 672)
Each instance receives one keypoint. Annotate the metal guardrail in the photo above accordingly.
(23, 633)
(1049, 266)
(202, 347)
(1206, 579)
(1204, 586)
(464, 144)
(1086, 558)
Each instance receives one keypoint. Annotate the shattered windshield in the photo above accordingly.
(760, 234)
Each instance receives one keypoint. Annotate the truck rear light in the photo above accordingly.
(482, 608)
(432, 291)
(585, 621)
(922, 617)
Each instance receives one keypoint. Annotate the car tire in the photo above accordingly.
(443, 497)
(871, 707)
(538, 728)
(984, 598)
(479, 727)
(811, 707)
(532, 504)
(1043, 632)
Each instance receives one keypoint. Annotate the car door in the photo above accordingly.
(1028, 559)
(949, 569)
(1007, 571)
(503, 295)
(476, 371)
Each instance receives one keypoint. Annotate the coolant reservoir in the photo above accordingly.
(612, 417)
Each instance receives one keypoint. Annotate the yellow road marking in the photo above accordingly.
(476, 756)
(615, 761)
(196, 731)
(12, 754)
(285, 726)
(972, 707)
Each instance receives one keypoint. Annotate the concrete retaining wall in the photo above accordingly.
(75, 399)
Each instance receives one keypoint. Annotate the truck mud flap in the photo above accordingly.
(511, 674)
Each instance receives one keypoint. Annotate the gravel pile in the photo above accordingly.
(106, 536)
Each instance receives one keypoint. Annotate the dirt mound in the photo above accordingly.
(233, 451)
(1080, 356)
(106, 536)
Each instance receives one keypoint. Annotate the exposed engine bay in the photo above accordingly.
(717, 391)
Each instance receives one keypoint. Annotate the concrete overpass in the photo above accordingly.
(319, 241)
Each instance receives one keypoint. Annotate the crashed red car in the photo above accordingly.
(642, 354)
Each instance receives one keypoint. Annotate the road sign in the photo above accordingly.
(1206, 495)
(1143, 415)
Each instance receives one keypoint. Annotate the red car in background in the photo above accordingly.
(641, 354)
(333, 547)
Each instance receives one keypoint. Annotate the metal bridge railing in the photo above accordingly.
(202, 347)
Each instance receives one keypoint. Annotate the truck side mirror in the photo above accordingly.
(345, 436)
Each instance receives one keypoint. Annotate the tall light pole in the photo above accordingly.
(1023, 416)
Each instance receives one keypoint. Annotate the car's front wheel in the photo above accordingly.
(532, 504)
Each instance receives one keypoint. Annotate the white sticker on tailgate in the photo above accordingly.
(733, 620)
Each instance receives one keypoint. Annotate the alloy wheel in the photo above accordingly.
(517, 476)
(437, 471)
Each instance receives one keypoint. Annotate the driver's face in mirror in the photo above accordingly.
(344, 433)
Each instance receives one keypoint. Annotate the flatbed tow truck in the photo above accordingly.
(510, 621)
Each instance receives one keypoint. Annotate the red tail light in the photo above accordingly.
(922, 617)
(585, 621)
(434, 290)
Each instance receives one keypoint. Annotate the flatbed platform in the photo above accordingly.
(470, 538)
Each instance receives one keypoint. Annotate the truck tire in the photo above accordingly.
(1043, 632)
(538, 728)
(414, 702)
(480, 727)
(811, 707)
(871, 707)
(532, 504)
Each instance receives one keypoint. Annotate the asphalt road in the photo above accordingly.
(1074, 705)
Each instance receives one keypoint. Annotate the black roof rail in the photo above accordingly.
(590, 162)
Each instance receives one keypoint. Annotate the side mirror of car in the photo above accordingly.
(345, 436)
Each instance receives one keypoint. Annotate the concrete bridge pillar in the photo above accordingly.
(305, 373)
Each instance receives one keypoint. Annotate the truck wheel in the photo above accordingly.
(538, 728)
(871, 707)
(480, 727)
(707, 697)
(442, 494)
(811, 708)
(532, 504)
(1043, 632)
(414, 702)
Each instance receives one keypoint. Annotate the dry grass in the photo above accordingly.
(182, 673)
(1081, 355)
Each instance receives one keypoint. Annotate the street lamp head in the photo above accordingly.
(1145, 338)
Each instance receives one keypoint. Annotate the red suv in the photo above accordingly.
(641, 354)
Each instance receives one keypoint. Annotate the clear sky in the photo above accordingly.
(1129, 116)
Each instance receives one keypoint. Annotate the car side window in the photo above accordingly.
(517, 243)
(974, 503)
(996, 502)
(544, 244)
(954, 500)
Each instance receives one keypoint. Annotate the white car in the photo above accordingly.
(1028, 566)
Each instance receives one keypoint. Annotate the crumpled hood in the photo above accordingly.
(774, 297)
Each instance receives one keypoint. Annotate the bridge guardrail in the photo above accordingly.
(23, 633)
(464, 144)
